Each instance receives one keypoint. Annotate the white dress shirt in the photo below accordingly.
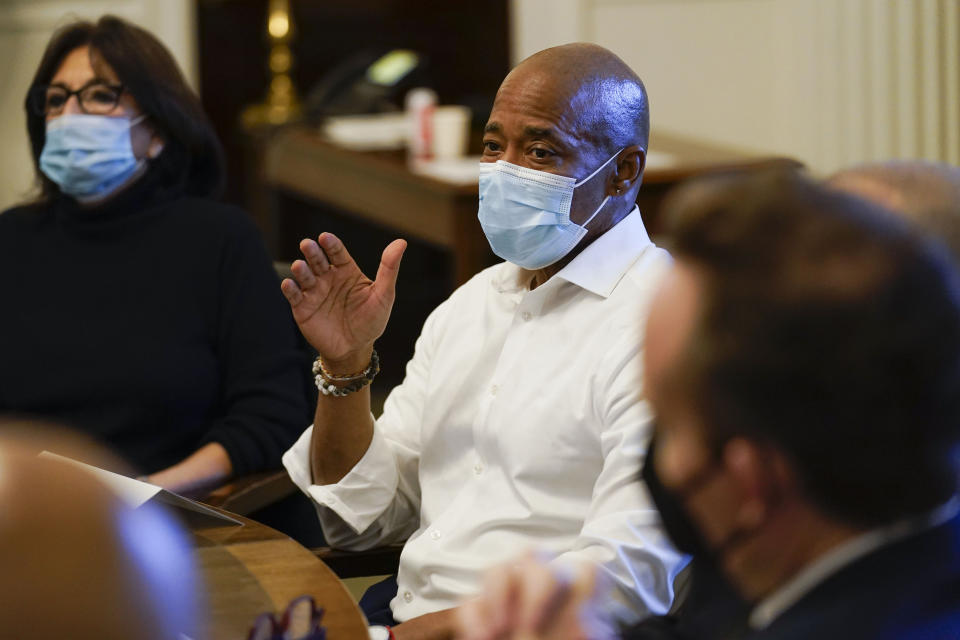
(520, 424)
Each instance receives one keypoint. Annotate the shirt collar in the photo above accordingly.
(598, 268)
(603, 263)
(511, 279)
(771, 607)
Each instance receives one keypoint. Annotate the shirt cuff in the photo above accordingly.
(362, 495)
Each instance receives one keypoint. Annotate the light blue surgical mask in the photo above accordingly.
(525, 213)
(90, 156)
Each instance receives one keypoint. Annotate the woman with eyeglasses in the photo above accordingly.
(135, 306)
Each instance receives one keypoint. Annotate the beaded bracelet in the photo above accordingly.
(319, 369)
(327, 388)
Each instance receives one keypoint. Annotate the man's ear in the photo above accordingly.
(629, 169)
(762, 477)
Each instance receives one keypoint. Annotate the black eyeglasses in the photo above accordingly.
(95, 98)
(301, 621)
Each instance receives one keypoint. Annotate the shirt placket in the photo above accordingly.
(508, 370)
(513, 365)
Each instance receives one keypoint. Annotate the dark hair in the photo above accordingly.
(831, 331)
(192, 160)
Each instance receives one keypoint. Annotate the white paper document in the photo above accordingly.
(137, 493)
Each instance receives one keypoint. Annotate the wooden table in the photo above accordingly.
(252, 569)
(378, 187)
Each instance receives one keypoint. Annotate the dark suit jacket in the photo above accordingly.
(710, 610)
(909, 589)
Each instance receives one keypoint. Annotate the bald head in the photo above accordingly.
(579, 112)
(79, 563)
(926, 192)
(605, 96)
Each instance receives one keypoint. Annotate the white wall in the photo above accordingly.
(25, 28)
(830, 82)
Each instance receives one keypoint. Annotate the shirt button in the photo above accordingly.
(407, 596)
(494, 389)
(526, 316)
(478, 469)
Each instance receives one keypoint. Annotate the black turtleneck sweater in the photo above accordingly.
(154, 323)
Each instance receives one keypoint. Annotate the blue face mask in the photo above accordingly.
(89, 156)
(525, 213)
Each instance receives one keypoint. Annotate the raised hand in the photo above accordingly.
(532, 600)
(339, 310)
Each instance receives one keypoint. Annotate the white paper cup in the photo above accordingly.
(451, 131)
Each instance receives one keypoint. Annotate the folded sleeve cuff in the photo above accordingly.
(362, 495)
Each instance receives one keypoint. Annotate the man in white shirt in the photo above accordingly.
(520, 422)
(803, 363)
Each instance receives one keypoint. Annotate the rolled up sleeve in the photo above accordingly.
(378, 501)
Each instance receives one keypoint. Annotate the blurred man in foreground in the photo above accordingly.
(77, 562)
(803, 362)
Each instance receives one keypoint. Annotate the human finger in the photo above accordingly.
(291, 292)
(587, 581)
(472, 618)
(598, 620)
(389, 268)
(490, 615)
(544, 592)
(314, 255)
(336, 252)
(501, 587)
(303, 274)
(586, 614)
